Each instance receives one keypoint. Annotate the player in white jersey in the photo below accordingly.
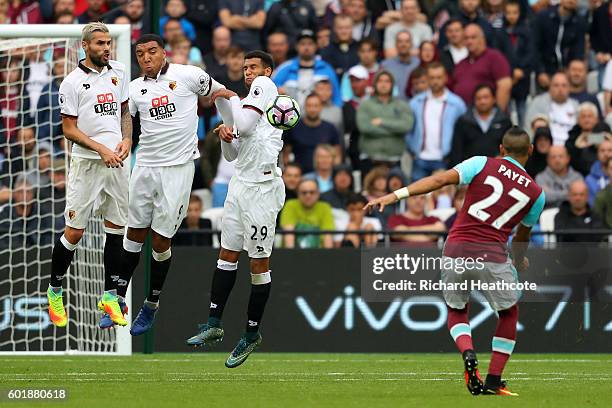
(256, 194)
(165, 100)
(95, 117)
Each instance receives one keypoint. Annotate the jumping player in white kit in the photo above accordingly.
(94, 107)
(165, 100)
(256, 194)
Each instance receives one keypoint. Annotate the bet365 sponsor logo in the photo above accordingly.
(161, 108)
(106, 105)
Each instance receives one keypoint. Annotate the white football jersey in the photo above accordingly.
(95, 99)
(258, 151)
(168, 109)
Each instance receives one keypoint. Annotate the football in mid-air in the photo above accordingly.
(283, 112)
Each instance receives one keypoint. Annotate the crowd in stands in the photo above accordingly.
(390, 91)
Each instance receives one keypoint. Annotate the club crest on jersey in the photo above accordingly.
(161, 108)
(115, 81)
(71, 214)
(172, 85)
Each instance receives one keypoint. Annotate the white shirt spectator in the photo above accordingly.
(562, 120)
(432, 139)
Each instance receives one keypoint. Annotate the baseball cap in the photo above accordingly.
(307, 34)
(359, 72)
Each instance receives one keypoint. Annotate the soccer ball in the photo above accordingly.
(283, 112)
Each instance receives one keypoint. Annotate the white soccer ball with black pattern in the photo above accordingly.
(283, 112)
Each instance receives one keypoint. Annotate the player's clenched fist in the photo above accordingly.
(225, 133)
(110, 158)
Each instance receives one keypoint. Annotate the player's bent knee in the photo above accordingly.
(132, 246)
(228, 255)
(160, 243)
(260, 265)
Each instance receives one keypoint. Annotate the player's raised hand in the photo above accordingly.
(123, 148)
(225, 133)
(380, 202)
(110, 158)
(222, 93)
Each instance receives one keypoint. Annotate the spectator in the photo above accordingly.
(358, 77)
(598, 178)
(216, 59)
(28, 223)
(307, 213)
(173, 31)
(409, 22)
(233, 78)
(368, 59)
(584, 138)
(480, 130)
(375, 182)
(203, 15)
(245, 18)
(278, 47)
(455, 51)
(330, 112)
(521, 55)
(176, 9)
(383, 120)
(63, 7)
(542, 141)
(493, 11)
(441, 198)
(427, 55)
(14, 100)
(291, 17)
(435, 112)
(323, 163)
(577, 77)
(310, 132)
(323, 37)
(4, 13)
(418, 81)
(95, 11)
(557, 176)
(483, 66)
(600, 34)
(48, 110)
(575, 213)
(342, 188)
(334, 8)
(458, 201)
(362, 20)
(415, 220)
(557, 106)
(25, 12)
(402, 65)
(292, 174)
(342, 52)
(22, 153)
(469, 13)
(189, 233)
(181, 47)
(603, 199)
(64, 17)
(356, 222)
(607, 87)
(559, 34)
(296, 77)
(209, 159)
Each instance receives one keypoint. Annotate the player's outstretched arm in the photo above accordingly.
(75, 135)
(422, 186)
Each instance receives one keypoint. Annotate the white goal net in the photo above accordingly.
(34, 162)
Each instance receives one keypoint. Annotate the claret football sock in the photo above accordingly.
(459, 327)
(503, 341)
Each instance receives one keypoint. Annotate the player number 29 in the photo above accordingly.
(477, 209)
(263, 232)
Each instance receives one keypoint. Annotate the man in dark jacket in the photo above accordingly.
(202, 14)
(600, 34)
(343, 187)
(575, 213)
(480, 130)
(554, 51)
(290, 17)
(341, 53)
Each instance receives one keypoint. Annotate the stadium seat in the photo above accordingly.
(214, 215)
(547, 224)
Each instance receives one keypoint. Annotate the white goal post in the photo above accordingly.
(25, 257)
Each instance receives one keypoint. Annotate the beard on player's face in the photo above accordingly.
(99, 60)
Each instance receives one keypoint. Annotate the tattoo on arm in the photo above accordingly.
(126, 122)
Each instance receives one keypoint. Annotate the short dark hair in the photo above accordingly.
(452, 21)
(419, 72)
(235, 50)
(480, 87)
(266, 59)
(369, 41)
(435, 65)
(516, 141)
(148, 38)
(295, 165)
(355, 198)
(193, 198)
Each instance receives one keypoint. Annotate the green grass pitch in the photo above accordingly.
(305, 380)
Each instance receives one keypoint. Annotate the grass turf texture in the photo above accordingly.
(305, 380)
